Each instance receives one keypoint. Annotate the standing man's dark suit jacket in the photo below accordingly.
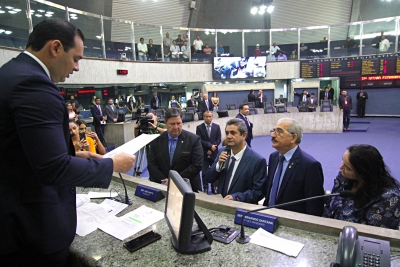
(111, 114)
(360, 99)
(303, 178)
(153, 102)
(203, 105)
(342, 105)
(208, 142)
(301, 96)
(97, 118)
(249, 180)
(189, 103)
(249, 136)
(251, 98)
(38, 174)
(187, 161)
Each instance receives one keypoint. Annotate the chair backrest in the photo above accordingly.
(250, 104)
(253, 111)
(326, 103)
(289, 104)
(326, 108)
(187, 116)
(303, 103)
(231, 106)
(191, 109)
(222, 113)
(269, 109)
(159, 112)
(280, 109)
(268, 104)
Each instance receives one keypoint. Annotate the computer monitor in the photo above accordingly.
(179, 214)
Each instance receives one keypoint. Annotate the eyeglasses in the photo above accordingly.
(278, 131)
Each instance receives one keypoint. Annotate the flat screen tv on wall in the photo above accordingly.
(239, 67)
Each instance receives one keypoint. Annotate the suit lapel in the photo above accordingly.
(289, 171)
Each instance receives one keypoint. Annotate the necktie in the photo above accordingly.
(275, 183)
(112, 107)
(208, 130)
(172, 146)
(326, 95)
(229, 174)
(207, 104)
(304, 98)
(101, 113)
(156, 102)
(247, 120)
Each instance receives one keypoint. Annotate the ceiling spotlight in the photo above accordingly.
(270, 9)
(262, 6)
(48, 15)
(254, 10)
(2, 11)
(41, 10)
(261, 11)
(38, 15)
(12, 12)
(8, 32)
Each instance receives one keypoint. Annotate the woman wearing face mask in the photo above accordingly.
(376, 193)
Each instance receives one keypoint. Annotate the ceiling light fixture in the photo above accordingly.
(261, 7)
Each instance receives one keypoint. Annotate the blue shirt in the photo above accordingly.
(220, 50)
(288, 156)
(381, 211)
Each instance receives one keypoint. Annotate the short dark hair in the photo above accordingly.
(141, 39)
(239, 124)
(251, 91)
(242, 106)
(312, 94)
(172, 113)
(97, 98)
(54, 29)
(79, 122)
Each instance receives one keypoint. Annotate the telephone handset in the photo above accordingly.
(354, 250)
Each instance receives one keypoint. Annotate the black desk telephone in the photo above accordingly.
(354, 250)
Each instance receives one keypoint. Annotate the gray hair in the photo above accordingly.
(239, 124)
(172, 113)
(294, 128)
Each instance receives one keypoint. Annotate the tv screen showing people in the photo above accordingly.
(239, 67)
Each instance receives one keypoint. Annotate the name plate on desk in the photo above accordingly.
(256, 220)
(149, 193)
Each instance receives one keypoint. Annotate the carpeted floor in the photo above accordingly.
(383, 133)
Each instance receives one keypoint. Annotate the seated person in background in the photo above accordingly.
(349, 43)
(281, 55)
(312, 103)
(243, 175)
(174, 50)
(71, 114)
(74, 108)
(293, 55)
(281, 100)
(173, 103)
(303, 47)
(151, 51)
(221, 49)
(207, 50)
(95, 146)
(191, 102)
(257, 51)
(324, 40)
(185, 49)
(376, 192)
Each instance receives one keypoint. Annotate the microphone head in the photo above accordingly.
(346, 194)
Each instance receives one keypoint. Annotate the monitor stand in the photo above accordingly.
(200, 243)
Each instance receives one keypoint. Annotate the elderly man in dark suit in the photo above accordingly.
(155, 101)
(241, 172)
(99, 115)
(243, 113)
(175, 149)
(210, 134)
(39, 170)
(362, 97)
(111, 111)
(345, 106)
(292, 173)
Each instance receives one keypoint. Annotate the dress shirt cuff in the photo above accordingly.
(217, 167)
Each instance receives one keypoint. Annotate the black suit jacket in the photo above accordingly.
(187, 161)
(153, 102)
(189, 103)
(203, 106)
(342, 104)
(301, 96)
(303, 178)
(208, 142)
(362, 100)
(97, 116)
(249, 126)
(248, 182)
(251, 98)
(38, 174)
(111, 114)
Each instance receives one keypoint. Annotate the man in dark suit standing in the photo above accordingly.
(111, 111)
(303, 96)
(362, 97)
(292, 173)
(99, 121)
(251, 97)
(241, 172)
(210, 135)
(200, 101)
(346, 106)
(206, 104)
(191, 102)
(39, 169)
(184, 150)
(243, 113)
(155, 101)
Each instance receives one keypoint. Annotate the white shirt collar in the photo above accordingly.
(239, 155)
(40, 63)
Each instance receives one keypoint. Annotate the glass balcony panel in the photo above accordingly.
(344, 42)
(286, 40)
(179, 35)
(314, 42)
(203, 54)
(372, 36)
(13, 24)
(252, 38)
(147, 32)
(231, 41)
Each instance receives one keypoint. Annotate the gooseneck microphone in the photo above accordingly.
(228, 151)
(125, 199)
(243, 239)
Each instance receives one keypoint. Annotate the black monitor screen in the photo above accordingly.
(239, 67)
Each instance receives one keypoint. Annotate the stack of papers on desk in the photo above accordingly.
(268, 240)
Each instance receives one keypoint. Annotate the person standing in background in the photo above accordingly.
(346, 106)
(362, 97)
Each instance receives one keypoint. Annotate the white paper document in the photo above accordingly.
(268, 240)
(82, 199)
(112, 207)
(132, 146)
(132, 222)
(102, 194)
(89, 217)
